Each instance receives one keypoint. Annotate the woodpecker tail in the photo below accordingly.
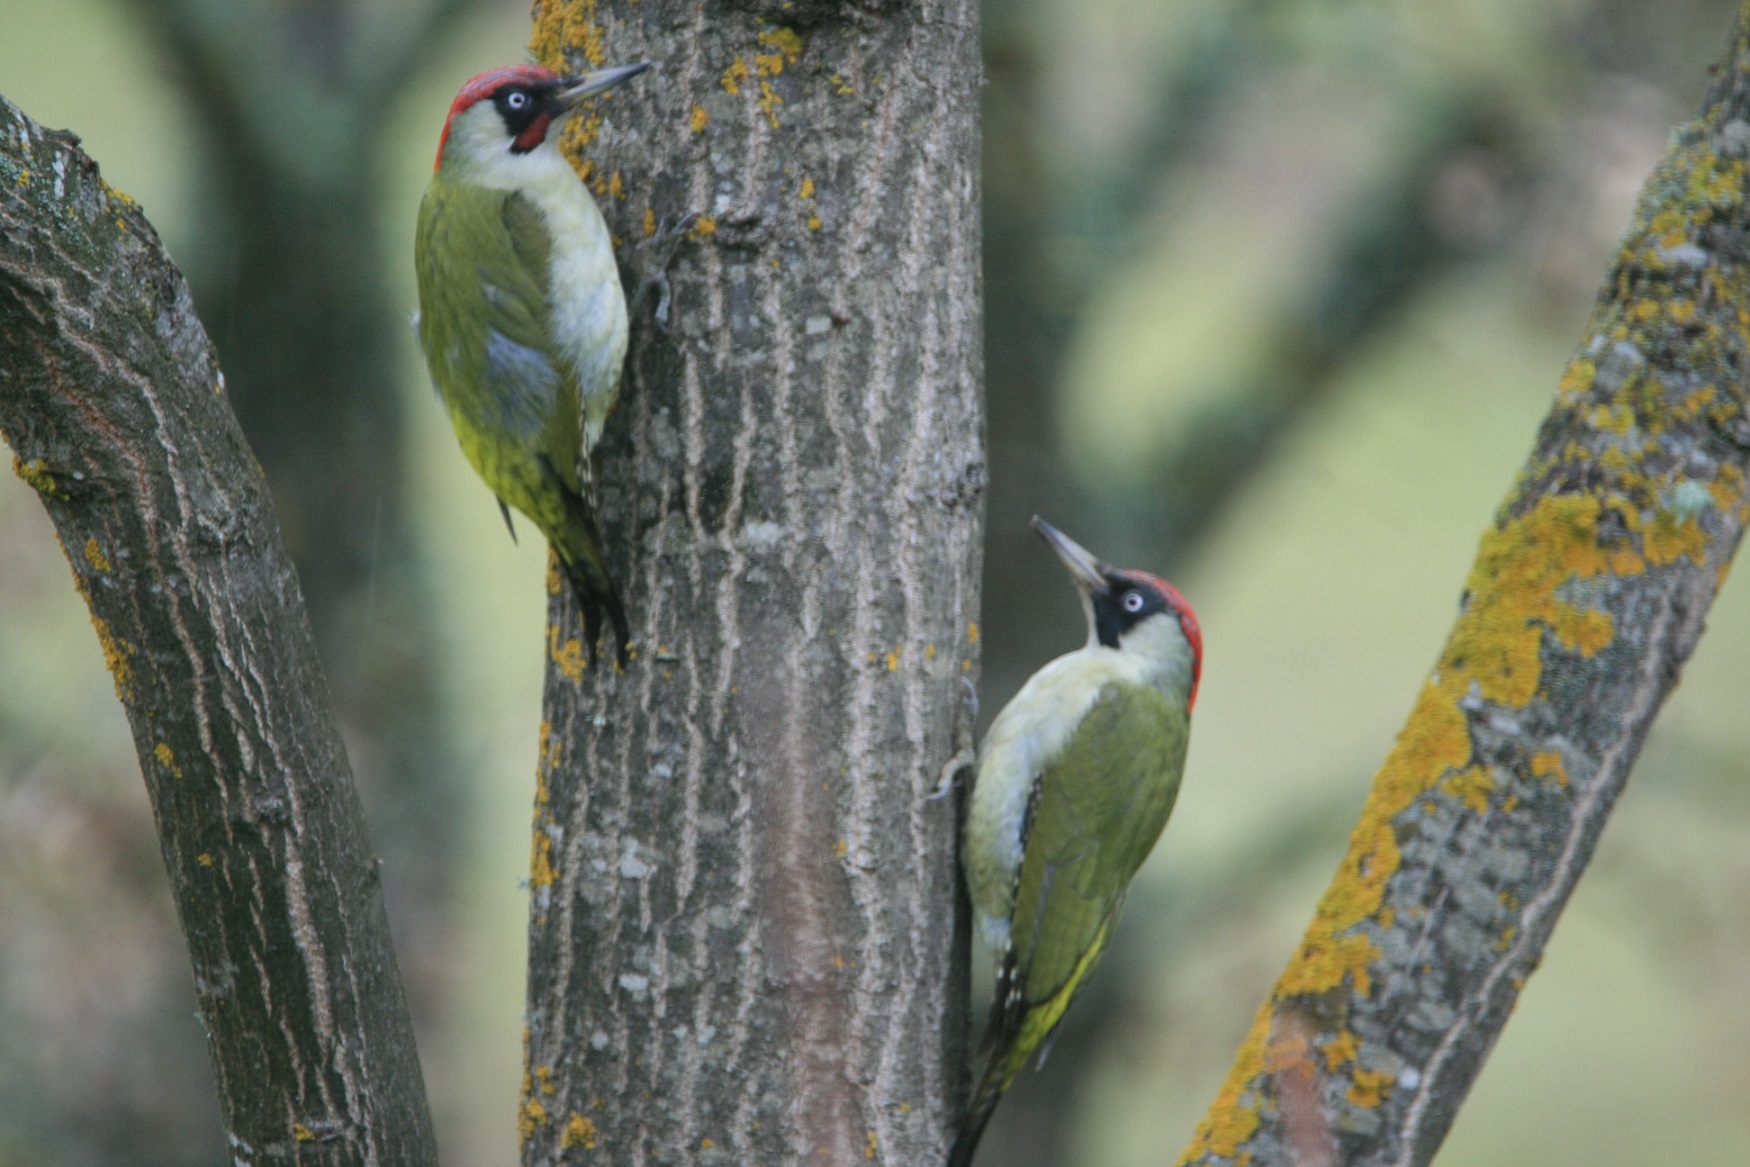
(597, 596)
(966, 1145)
(579, 547)
(1003, 1062)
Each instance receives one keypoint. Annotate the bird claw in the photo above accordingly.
(945, 784)
(966, 757)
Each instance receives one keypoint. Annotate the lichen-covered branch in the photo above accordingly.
(745, 944)
(1587, 597)
(112, 400)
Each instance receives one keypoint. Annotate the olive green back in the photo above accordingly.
(483, 259)
(1101, 805)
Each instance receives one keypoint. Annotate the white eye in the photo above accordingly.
(1133, 602)
(517, 101)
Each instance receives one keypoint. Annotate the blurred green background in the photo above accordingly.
(1278, 293)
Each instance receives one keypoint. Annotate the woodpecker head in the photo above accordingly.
(508, 114)
(1131, 611)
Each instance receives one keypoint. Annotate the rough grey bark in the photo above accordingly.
(114, 404)
(746, 944)
(1589, 593)
(291, 100)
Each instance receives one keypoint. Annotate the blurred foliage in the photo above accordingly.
(1277, 294)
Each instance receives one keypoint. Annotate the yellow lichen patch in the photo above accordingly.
(560, 27)
(1578, 378)
(734, 76)
(1716, 186)
(814, 222)
(702, 227)
(893, 661)
(787, 44)
(577, 136)
(1472, 786)
(579, 1132)
(35, 475)
(1369, 1088)
(167, 758)
(1234, 1117)
(972, 632)
(116, 654)
(699, 119)
(706, 1144)
(1665, 540)
(649, 222)
(769, 103)
(807, 191)
(1548, 764)
(567, 655)
(1340, 1050)
(541, 870)
(302, 1133)
(95, 558)
(205, 859)
(529, 1116)
(616, 186)
(869, 1151)
(840, 849)
(1513, 597)
(551, 749)
(555, 578)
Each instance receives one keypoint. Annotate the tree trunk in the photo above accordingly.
(1588, 594)
(746, 942)
(112, 399)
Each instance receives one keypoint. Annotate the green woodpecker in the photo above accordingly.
(1075, 781)
(521, 314)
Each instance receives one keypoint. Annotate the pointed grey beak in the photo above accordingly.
(1088, 573)
(574, 89)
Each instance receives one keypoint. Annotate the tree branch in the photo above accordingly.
(112, 399)
(1588, 595)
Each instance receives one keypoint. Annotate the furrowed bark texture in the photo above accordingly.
(746, 945)
(1587, 597)
(113, 402)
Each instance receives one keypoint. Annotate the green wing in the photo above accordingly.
(1096, 813)
(484, 258)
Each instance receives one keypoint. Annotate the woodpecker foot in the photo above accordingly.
(966, 757)
(945, 785)
(971, 696)
(661, 247)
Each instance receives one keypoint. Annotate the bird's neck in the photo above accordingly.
(1155, 653)
(542, 169)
